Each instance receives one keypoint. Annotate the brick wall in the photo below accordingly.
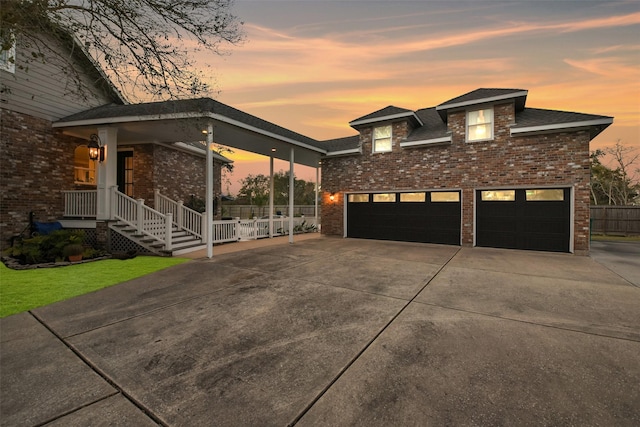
(558, 159)
(36, 162)
(180, 174)
(177, 174)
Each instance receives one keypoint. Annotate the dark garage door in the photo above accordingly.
(534, 219)
(428, 217)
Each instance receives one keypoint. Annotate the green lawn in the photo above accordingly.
(22, 290)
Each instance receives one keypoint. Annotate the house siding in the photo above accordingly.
(554, 159)
(42, 91)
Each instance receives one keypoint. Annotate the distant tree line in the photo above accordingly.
(618, 184)
(255, 190)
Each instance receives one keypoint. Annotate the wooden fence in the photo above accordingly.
(615, 220)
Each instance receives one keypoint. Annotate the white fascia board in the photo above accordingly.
(344, 152)
(266, 133)
(127, 119)
(482, 100)
(157, 117)
(386, 118)
(560, 126)
(410, 144)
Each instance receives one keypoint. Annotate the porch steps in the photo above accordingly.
(181, 241)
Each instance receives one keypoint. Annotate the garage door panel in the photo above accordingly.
(524, 224)
(412, 221)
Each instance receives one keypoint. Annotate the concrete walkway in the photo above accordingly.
(335, 332)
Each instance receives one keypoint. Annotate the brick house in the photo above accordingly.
(43, 164)
(146, 158)
(481, 169)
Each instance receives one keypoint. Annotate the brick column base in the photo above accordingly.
(103, 235)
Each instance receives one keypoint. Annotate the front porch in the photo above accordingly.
(172, 228)
(183, 125)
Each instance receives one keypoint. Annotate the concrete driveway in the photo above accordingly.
(335, 332)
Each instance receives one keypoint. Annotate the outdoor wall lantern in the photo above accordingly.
(96, 150)
(332, 197)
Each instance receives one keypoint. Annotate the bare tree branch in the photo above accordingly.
(145, 46)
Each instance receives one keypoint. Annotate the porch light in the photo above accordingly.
(332, 197)
(96, 150)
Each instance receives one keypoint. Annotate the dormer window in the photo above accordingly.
(480, 125)
(382, 139)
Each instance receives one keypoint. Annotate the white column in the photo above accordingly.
(271, 189)
(209, 189)
(317, 188)
(291, 196)
(106, 172)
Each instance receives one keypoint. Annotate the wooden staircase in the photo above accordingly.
(182, 241)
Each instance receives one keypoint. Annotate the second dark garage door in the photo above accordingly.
(534, 219)
(428, 217)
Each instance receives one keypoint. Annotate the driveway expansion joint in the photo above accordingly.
(368, 344)
(119, 390)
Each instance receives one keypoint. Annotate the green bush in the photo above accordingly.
(49, 248)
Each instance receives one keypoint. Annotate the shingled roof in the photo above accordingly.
(184, 108)
(431, 127)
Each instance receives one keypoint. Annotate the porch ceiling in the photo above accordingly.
(232, 128)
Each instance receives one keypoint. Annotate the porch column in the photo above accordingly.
(291, 196)
(209, 190)
(271, 189)
(106, 172)
(316, 195)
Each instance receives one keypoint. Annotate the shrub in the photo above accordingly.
(49, 248)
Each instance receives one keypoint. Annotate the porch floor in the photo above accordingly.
(226, 248)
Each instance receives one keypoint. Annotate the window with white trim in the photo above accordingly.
(382, 139)
(480, 125)
(84, 170)
(8, 59)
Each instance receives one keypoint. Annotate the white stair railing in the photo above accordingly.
(146, 221)
(183, 217)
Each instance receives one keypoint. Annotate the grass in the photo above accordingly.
(22, 290)
(608, 238)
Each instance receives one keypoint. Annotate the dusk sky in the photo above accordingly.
(313, 66)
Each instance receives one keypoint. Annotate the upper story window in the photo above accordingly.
(8, 59)
(480, 125)
(382, 139)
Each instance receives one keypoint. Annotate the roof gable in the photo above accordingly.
(483, 96)
(385, 114)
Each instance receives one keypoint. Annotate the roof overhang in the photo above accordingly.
(349, 152)
(519, 98)
(423, 142)
(392, 117)
(596, 126)
(189, 126)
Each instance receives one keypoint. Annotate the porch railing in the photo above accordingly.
(80, 204)
(158, 223)
(184, 218)
(147, 221)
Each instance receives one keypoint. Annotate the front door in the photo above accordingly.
(125, 172)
